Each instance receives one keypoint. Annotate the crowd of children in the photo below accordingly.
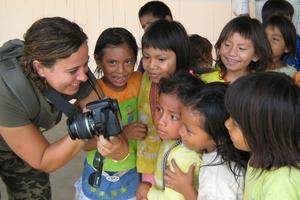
(194, 129)
(191, 127)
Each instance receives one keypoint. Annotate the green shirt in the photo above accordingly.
(278, 184)
(127, 100)
(214, 76)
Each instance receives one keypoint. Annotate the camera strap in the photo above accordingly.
(61, 103)
(95, 85)
(65, 106)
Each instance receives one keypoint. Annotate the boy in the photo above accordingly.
(153, 11)
(282, 8)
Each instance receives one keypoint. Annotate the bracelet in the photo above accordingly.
(116, 161)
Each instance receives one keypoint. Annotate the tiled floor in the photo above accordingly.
(63, 179)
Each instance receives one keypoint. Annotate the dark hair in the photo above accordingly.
(266, 106)
(276, 7)
(166, 35)
(250, 29)
(114, 37)
(156, 8)
(201, 51)
(288, 31)
(48, 40)
(180, 84)
(208, 101)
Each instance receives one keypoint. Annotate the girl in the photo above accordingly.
(115, 54)
(264, 120)
(241, 48)
(167, 123)
(201, 51)
(165, 48)
(221, 173)
(282, 37)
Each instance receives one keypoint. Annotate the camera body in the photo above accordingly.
(103, 118)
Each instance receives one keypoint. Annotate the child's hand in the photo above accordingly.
(180, 181)
(135, 131)
(115, 148)
(142, 190)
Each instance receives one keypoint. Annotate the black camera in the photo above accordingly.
(103, 118)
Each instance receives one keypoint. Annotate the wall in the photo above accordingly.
(204, 17)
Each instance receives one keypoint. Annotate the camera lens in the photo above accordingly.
(80, 127)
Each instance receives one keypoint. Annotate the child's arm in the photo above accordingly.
(180, 181)
(135, 131)
(142, 190)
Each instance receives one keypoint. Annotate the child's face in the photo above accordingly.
(192, 131)
(236, 53)
(236, 135)
(276, 41)
(147, 19)
(158, 63)
(167, 117)
(117, 64)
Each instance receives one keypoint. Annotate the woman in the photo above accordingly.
(55, 56)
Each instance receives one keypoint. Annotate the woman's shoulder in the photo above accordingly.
(12, 112)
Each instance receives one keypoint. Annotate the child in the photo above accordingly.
(165, 49)
(221, 173)
(167, 123)
(242, 48)
(264, 120)
(115, 54)
(153, 11)
(285, 9)
(281, 34)
(201, 51)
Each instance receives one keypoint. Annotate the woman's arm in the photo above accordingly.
(31, 146)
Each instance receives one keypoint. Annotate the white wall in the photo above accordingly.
(204, 17)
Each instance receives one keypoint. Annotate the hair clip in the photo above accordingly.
(191, 72)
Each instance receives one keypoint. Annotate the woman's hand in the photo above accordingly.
(115, 147)
(135, 131)
(142, 190)
(180, 181)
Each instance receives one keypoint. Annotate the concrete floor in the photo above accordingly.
(63, 179)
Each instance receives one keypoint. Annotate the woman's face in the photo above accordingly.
(158, 63)
(117, 65)
(66, 74)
